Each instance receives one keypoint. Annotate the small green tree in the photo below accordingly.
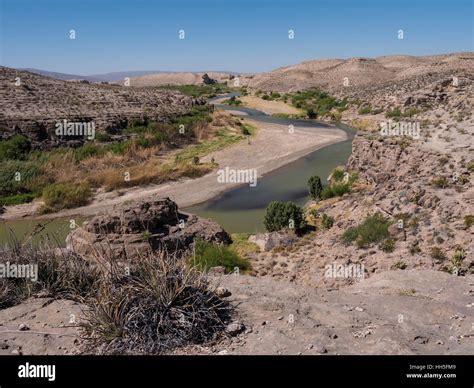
(315, 187)
(280, 215)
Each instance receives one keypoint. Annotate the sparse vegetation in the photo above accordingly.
(387, 245)
(437, 253)
(327, 221)
(364, 110)
(399, 265)
(440, 182)
(469, 220)
(374, 229)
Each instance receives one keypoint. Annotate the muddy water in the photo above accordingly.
(52, 232)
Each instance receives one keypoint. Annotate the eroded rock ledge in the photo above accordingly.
(133, 229)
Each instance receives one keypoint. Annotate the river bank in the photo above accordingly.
(273, 146)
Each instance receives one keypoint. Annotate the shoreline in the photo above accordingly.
(259, 154)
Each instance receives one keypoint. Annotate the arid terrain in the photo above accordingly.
(414, 291)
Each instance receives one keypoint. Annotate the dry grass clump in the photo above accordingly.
(60, 274)
(150, 306)
(153, 307)
(152, 171)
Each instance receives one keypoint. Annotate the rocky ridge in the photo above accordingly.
(32, 105)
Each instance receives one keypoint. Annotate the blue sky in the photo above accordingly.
(233, 35)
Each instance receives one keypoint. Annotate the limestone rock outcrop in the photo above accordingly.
(136, 228)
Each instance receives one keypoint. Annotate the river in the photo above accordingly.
(239, 210)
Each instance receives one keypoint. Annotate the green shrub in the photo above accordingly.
(469, 220)
(315, 187)
(209, 255)
(373, 229)
(17, 147)
(28, 174)
(280, 215)
(66, 195)
(441, 182)
(335, 190)
(337, 175)
(327, 221)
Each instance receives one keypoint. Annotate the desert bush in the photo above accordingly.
(456, 260)
(280, 215)
(337, 175)
(437, 253)
(152, 306)
(399, 265)
(315, 187)
(16, 147)
(207, 255)
(469, 220)
(61, 275)
(387, 245)
(364, 110)
(335, 190)
(373, 229)
(160, 305)
(441, 182)
(327, 221)
(66, 195)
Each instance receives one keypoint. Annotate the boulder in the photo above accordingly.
(136, 228)
(268, 241)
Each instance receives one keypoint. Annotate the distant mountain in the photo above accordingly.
(62, 76)
(120, 75)
(108, 77)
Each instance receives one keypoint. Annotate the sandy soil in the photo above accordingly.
(272, 147)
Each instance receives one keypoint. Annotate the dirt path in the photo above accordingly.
(272, 147)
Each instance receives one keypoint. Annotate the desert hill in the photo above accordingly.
(34, 106)
(330, 74)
